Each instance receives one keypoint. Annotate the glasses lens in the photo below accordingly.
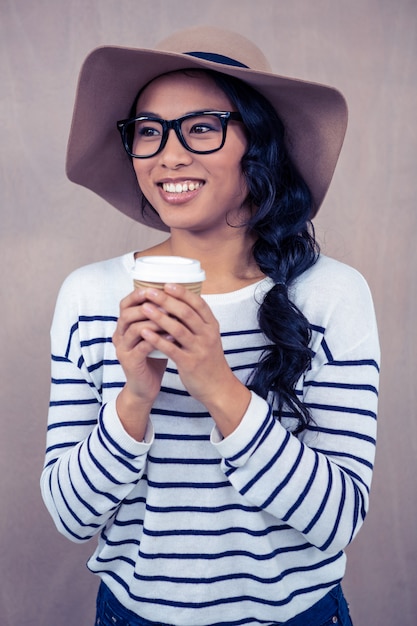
(144, 136)
(202, 133)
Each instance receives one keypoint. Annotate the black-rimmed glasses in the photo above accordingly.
(202, 133)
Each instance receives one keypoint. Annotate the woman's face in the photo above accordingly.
(214, 188)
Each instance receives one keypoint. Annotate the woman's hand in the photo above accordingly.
(143, 375)
(184, 328)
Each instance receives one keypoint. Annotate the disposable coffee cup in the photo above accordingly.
(156, 271)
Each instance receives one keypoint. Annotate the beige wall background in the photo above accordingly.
(367, 48)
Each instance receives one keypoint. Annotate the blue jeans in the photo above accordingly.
(330, 610)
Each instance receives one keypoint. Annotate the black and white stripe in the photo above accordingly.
(194, 529)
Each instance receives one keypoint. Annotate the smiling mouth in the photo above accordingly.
(181, 187)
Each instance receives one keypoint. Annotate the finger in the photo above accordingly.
(181, 321)
(187, 328)
(193, 299)
(165, 343)
(131, 311)
(177, 301)
(132, 336)
(134, 298)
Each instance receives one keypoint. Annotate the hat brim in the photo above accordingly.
(314, 115)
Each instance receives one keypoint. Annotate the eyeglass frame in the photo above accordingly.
(167, 125)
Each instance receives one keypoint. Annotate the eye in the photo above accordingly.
(201, 128)
(203, 125)
(147, 129)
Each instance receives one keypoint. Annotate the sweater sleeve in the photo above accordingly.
(317, 482)
(91, 463)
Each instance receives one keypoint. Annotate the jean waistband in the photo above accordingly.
(323, 610)
(108, 604)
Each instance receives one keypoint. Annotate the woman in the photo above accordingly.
(224, 483)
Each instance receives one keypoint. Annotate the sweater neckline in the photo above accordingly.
(259, 287)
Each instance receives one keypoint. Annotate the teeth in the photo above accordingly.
(180, 187)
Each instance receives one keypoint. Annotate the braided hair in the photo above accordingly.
(284, 247)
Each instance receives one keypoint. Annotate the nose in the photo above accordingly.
(174, 154)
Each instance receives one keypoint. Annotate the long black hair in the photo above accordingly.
(284, 247)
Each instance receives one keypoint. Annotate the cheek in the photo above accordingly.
(142, 174)
(229, 172)
(143, 181)
(243, 191)
(240, 180)
(236, 154)
(138, 169)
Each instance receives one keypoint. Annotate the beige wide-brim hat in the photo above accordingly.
(314, 115)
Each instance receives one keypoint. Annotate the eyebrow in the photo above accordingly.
(196, 112)
(146, 114)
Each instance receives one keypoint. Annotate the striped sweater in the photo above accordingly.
(194, 529)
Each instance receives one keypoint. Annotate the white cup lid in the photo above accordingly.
(168, 269)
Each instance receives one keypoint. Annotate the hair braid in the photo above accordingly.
(284, 247)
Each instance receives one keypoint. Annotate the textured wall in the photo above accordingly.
(367, 48)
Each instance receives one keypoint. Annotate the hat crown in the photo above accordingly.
(210, 40)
